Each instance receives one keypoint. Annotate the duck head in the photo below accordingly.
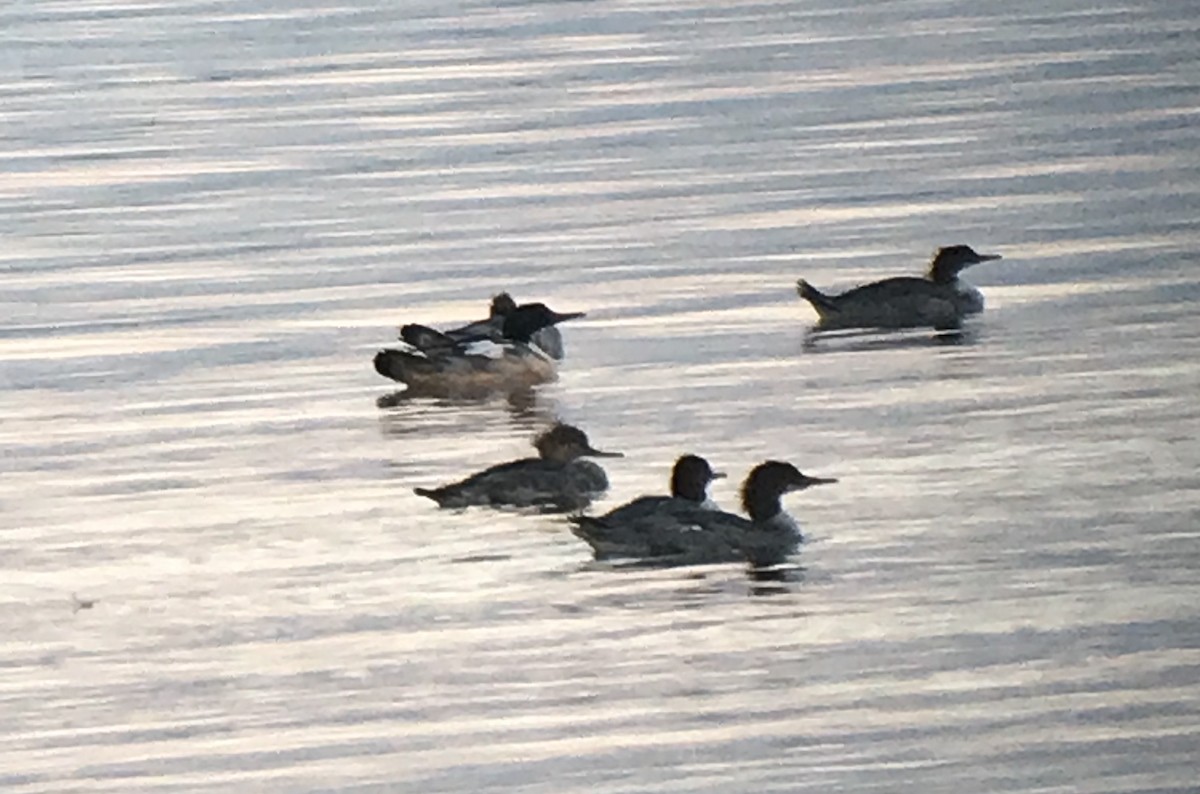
(951, 260)
(563, 443)
(529, 318)
(502, 305)
(771, 480)
(691, 476)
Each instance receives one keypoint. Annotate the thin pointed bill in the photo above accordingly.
(562, 318)
(808, 482)
(598, 453)
(989, 257)
(718, 475)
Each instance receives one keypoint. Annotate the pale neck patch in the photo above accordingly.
(783, 521)
(971, 298)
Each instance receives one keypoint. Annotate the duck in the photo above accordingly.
(548, 339)
(558, 480)
(627, 531)
(438, 364)
(689, 534)
(939, 299)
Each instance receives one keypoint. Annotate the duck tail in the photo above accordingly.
(393, 364)
(422, 337)
(819, 300)
(591, 530)
(429, 493)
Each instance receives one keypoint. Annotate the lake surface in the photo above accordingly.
(213, 213)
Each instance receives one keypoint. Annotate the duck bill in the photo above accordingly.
(557, 318)
(809, 482)
(599, 453)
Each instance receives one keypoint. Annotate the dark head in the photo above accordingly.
(529, 318)
(771, 480)
(502, 305)
(690, 478)
(951, 260)
(563, 443)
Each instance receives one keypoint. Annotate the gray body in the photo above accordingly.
(558, 480)
(894, 303)
(939, 300)
(671, 531)
(677, 531)
(550, 486)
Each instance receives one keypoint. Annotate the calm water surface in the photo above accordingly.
(213, 213)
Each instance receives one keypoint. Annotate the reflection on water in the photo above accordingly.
(213, 216)
(524, 405)
(870, 339)
(407, 414)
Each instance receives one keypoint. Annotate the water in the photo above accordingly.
(213, 213)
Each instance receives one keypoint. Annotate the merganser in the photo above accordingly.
(439, 365)
(559, 480)
(629, 530)
(548, 339)
(939, 300)
(691, 535)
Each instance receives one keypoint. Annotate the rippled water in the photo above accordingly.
(213, 213)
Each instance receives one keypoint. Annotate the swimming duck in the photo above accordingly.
(440, 365)
(939, 300)
(628, 531)
(688, 534)
(558, 480)
(548, 339)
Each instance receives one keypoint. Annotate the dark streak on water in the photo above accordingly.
(213, 213)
